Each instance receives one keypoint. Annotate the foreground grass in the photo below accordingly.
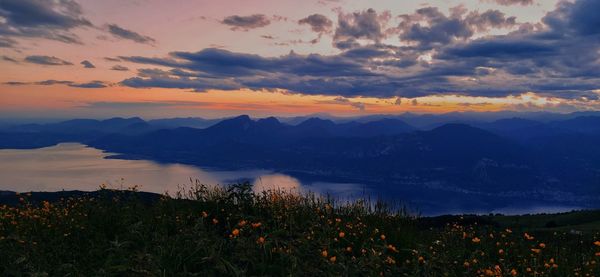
(232, 231)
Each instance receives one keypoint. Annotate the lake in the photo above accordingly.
(74, 166)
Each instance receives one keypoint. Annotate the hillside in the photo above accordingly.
(233, 232)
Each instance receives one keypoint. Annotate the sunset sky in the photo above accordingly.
(155, 59)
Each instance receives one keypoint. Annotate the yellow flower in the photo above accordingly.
(476, 240)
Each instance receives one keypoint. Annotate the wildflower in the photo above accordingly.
(421, 260)
(536, 250)
(508, 231)
(501, 251)
(242, 223)
(348, 249)
(597, 254)
(235, 232)
(390, 260)
(324, 253)
(513, 272)
(260, 240)
(215, 221)
(256, 225)
(342, 234)
(332, 259)
(475, 240)
(597, 243)
(528, 237)
(466, 264)
(204, 214)
(382, 237)
(542, 245)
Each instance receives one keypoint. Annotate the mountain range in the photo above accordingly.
(552, 159)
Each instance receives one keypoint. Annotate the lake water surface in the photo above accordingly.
(74, 166)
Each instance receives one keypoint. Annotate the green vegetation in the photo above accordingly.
(232, 231)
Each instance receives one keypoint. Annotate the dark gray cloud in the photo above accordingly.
(92, 84)
(557, 57)
(318, 23)
(110, 59)
(40, 19)
(366, 24)
(46, 60)
(87, 64)
(123, 33)
(245, 23)
(119, 67)
(429, 27)
(511, 2)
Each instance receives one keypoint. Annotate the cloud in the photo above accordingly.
(317, 22)
(135, 105)
(110, 59)
(92, 84)
(428, 27)
(123, 33)
(557, 57)
(9, 59)
(367, 24)
(40, 19)
(87, 64)
(119, 67)
(511, 2)
(246, 23)
(46, 60)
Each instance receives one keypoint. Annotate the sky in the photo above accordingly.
(196, 58)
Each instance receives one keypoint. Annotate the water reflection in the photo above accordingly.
(73, 166)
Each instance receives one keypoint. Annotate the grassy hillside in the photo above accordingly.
(232, 231)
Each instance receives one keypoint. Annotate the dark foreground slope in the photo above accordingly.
(232, 232)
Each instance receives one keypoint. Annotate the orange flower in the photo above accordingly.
(528, 237)
(342, 234)
(332, 259)
(536, 250)
(421, 259)
(382, 236)
(597, 243)
(260, 240)
(256, 225)
(235, 232)
(242, 223)
(348, 249)
(476, 240)
(542, 245)
(324, 253)
(513, 272)
(466, 264)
